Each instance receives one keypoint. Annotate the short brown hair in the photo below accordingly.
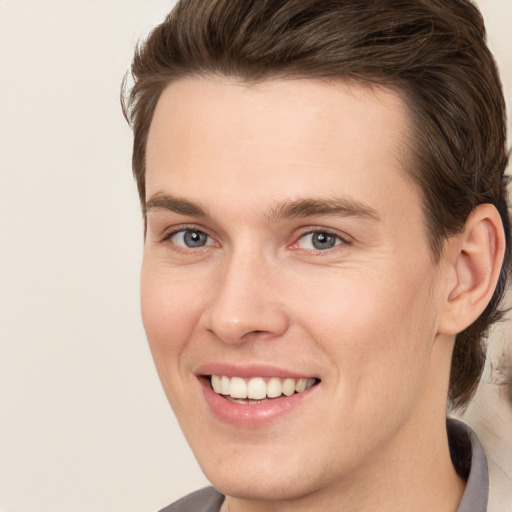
(433, 52)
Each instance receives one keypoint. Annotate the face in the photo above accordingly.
(288, 292)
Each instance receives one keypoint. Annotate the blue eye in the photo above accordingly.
(190, 238)
(319, 241)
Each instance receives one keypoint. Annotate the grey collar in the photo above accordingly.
(462, 439)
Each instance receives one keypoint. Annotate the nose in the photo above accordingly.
(245, 302)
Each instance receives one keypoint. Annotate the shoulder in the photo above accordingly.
(204, 500)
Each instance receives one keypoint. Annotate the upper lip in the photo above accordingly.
(249, 371)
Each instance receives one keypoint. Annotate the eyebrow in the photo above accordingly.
(297, 208)
(341, 206)
(176, 205)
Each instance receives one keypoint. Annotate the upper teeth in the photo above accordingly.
(258, 388)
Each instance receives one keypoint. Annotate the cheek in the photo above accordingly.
(170, 308)
(372, 326)
(170, 312)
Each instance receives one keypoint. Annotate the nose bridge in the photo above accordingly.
(245, 301)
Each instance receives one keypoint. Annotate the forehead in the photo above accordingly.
(277, 138)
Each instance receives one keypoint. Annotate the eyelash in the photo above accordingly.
(340, 240)
(184, 229)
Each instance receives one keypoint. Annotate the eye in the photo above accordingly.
(190, 238)
(319, 241)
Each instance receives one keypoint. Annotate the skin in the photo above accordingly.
(365, 316)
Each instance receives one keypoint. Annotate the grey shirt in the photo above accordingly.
(467, 454)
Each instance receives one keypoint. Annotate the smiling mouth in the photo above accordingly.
(258, 389)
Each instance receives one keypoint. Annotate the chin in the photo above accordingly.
(261, 485)
(250, 474)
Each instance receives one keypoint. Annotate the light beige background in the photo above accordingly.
(84, 425)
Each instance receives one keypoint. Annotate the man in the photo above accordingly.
(325, 247)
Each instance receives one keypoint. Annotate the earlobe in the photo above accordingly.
(475, 260)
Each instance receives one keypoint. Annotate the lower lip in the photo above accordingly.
(252, 415)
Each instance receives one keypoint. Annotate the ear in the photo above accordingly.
(473, 261)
